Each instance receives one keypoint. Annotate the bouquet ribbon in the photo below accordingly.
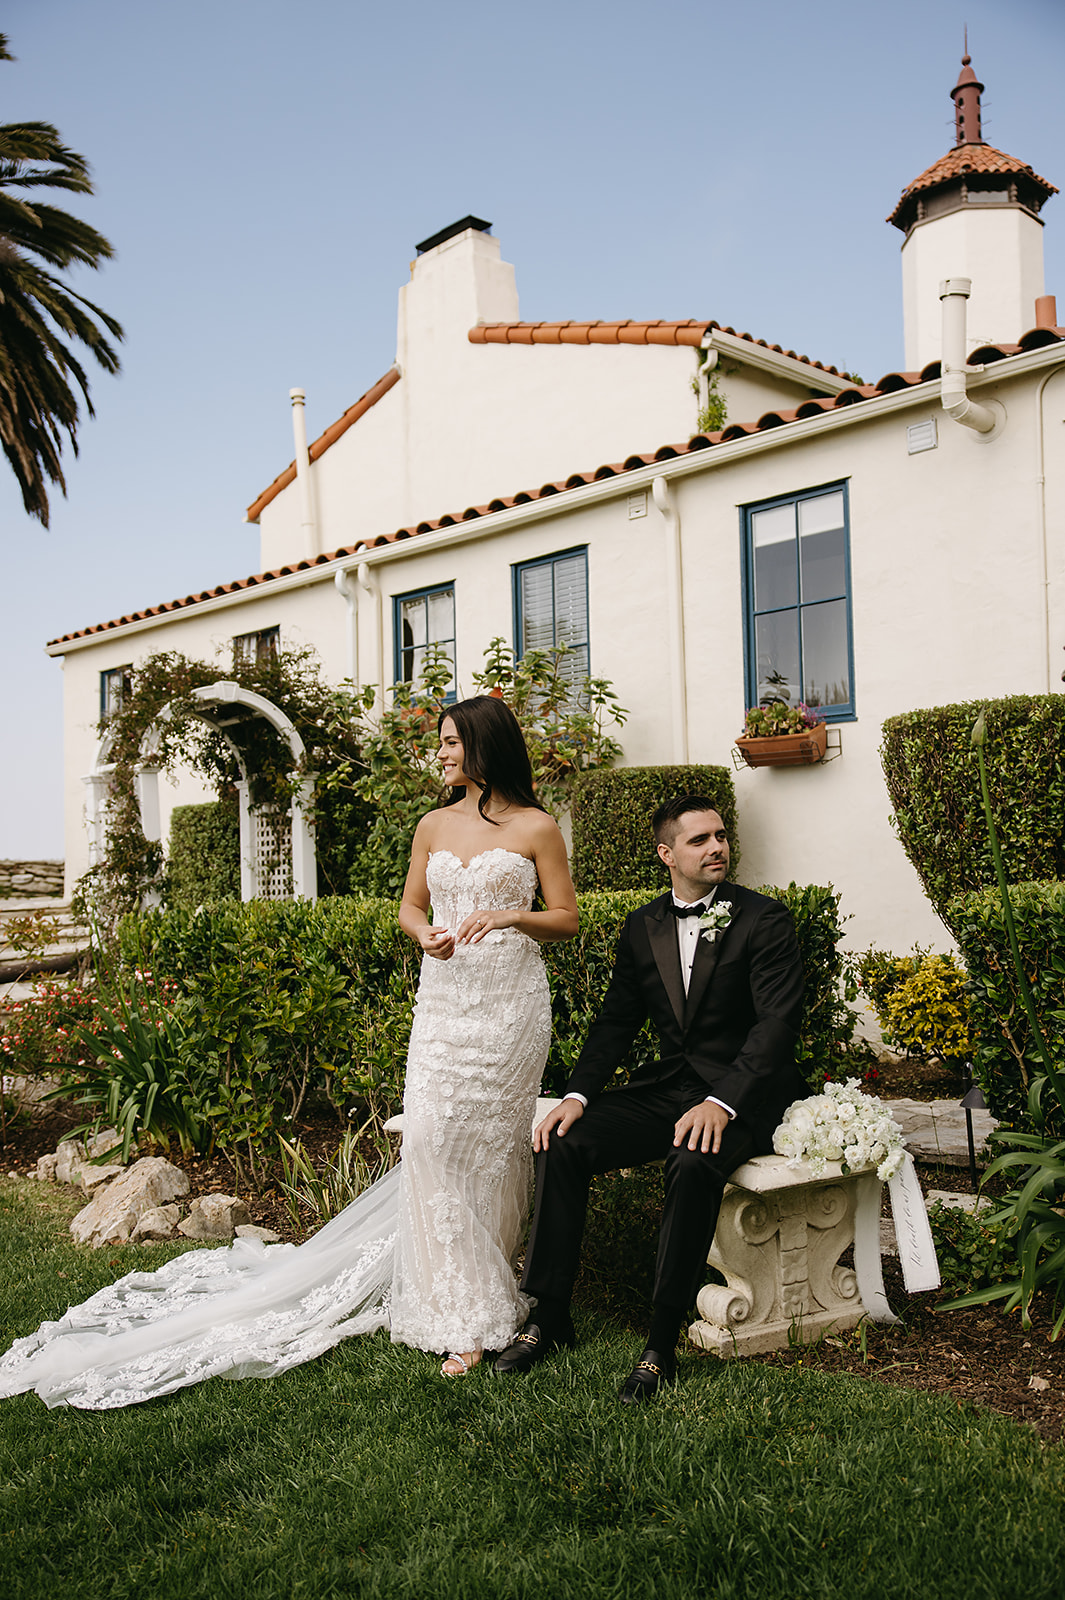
(917, 1252)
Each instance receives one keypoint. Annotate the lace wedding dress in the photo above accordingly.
(427, 1251)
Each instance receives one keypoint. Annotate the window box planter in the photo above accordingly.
(800, 749)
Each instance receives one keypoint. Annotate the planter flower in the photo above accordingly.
(777, 735)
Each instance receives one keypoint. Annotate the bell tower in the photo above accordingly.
(973, 214)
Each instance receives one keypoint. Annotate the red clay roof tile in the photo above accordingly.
(963, 159)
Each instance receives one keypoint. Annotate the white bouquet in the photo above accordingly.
(843, 1125)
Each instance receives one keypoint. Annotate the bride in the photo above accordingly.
(428, 1250)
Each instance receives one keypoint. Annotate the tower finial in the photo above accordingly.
(966, 96)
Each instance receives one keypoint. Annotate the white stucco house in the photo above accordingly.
(866, 547)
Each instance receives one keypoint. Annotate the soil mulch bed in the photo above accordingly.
(978, 1357)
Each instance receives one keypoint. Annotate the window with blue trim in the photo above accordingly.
(424, 617)
(116, 684)
(797, 602)
(551, 608)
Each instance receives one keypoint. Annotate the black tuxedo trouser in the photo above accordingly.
(625, 1128)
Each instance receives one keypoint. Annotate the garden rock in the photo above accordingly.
(158, 1223)
(249, 1230)
(74, 1160)
(111, 1216)
(46, 1167)
(214, 1216)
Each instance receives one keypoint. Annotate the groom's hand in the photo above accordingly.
(701, 1127)
(561, 1117)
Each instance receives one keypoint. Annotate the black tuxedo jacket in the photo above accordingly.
(737, 1026)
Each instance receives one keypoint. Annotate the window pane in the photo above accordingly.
(571, 600)
(823, 561)
(537, 609)
(824, 649)
(821, 514)
(776, 639)
(773, 534)
(822, 547)
(441, 623)
(413, 615)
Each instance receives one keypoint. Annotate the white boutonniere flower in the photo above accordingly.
(715, 919)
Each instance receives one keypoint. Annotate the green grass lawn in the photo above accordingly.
(366, 1473)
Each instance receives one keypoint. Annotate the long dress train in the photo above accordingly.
(427, 1250)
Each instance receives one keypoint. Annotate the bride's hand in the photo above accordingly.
(473, 928)
(439, 942)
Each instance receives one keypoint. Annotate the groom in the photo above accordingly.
(716, 968)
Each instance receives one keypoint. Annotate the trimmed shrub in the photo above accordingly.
(612, 843)
(204, 853)
(828, 1021)
(1006, 1058)
(933, 780)
(921, 1002)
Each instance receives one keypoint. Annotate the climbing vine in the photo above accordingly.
(161, 700)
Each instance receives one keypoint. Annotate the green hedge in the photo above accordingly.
(204, 863)
(1006, 1059)
(828, 1023)
(273, 997)
(934, 784)
(613, 847)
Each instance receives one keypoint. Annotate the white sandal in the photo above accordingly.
(464, 1366)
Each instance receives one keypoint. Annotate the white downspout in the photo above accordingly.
(303, 473)
(346, 585)
(705, 370)
(368, 586)
(663, 499)
(953, 294)
(1041, 517)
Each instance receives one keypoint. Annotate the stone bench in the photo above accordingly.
(779, 1239)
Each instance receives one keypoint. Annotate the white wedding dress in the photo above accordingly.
(427, 1251)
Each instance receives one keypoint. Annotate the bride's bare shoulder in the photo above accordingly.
(540, 830)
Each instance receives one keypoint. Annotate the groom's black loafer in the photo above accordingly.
(530, 1347)
(647, 1377)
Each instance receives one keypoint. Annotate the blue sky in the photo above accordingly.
(264, 171)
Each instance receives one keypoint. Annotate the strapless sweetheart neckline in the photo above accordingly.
(496, 850)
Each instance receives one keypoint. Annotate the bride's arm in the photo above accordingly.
(414, 906)
(558, 918)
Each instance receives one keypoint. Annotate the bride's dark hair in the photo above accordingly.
(493, 752)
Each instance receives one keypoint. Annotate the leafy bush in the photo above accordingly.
(1006, 1058)
(564, 720)
(932, 777)
(921, 1002)
(613, 847)
(277, 999)
(44, 1034)
(204, 853)
(828, 1020)
(972, 1252)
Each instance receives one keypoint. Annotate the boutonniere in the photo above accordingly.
(715, 919)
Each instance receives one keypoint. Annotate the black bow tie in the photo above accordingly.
(697, 910)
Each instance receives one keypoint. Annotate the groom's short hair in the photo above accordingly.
(667, 817)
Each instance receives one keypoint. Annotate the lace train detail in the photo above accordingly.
(427, 1250)
(246, 1311)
